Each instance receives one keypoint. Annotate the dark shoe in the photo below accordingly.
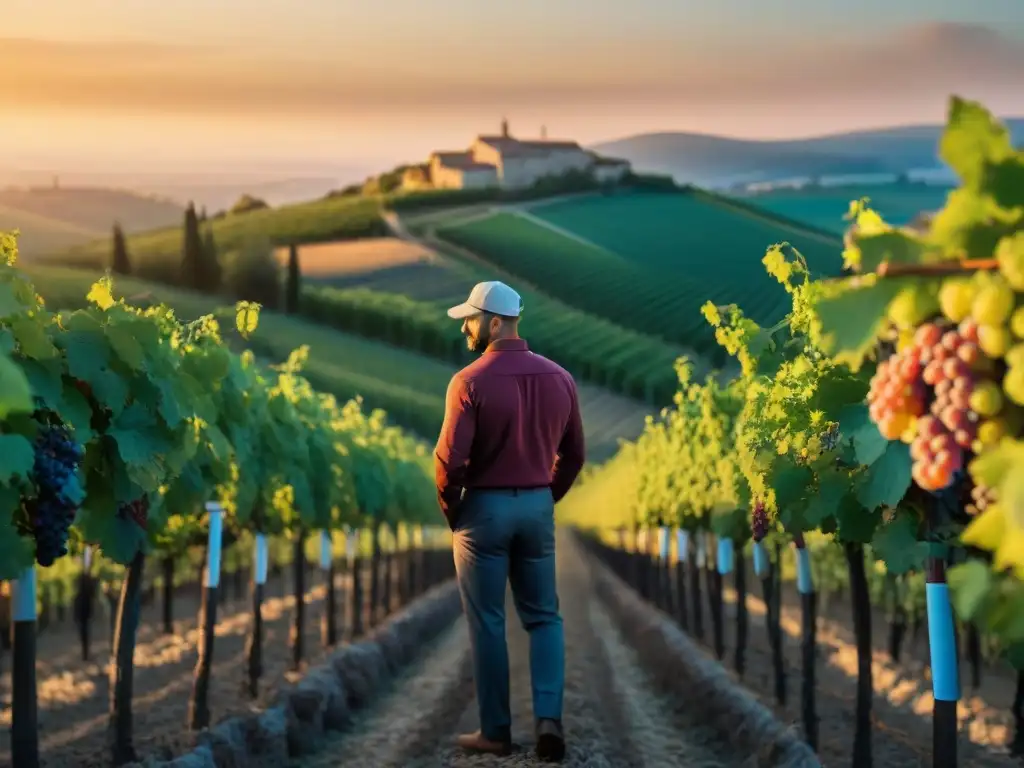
(550, 741)
(477, 742)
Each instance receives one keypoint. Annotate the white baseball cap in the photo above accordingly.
(492, 296)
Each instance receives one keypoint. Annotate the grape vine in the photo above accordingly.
(147, 418)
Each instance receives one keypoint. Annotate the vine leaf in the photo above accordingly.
(851, 320)
(868, 442)
(9, 304)
(969, 582)
(973, 137)
(854, 523)
(896, 543)
(15, 392)
(889, 247)
(886, 480)
(16, 551)
(16, 457)
(247, 316)
(120, 539)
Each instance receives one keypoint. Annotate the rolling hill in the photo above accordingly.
(718, 160)
(646, 261)
(56, 218)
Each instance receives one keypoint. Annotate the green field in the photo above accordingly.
(398, 291)
(157, 254)
(409, 386)
(648, 261)
(826, 206)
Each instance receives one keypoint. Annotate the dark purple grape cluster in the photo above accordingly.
(759, 521)
(55, 475)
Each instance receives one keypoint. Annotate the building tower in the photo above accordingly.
(504, 128)
(544, 133)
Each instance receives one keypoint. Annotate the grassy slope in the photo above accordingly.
(409, 386)
(57, 219)
(672, 252)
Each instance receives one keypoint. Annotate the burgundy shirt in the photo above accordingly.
(512, 420)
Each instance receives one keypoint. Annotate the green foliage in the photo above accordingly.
(167, 413)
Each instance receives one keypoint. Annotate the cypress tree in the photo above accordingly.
(192, 251)
(291, 296)
(119, 262)
(211, 272)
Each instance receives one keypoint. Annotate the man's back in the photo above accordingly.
(509, 415)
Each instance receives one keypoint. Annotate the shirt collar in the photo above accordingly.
(508, 345)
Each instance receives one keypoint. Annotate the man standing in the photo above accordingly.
(510, 448)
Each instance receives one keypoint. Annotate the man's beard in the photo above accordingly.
(478, 343)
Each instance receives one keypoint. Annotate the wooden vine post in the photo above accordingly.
(722, 567)
(808, 640)
(328, 625)
(696, 566)
(254, 646)
(167, 567)
(199, 708)
(296, 637)
(945, 673)
(355, 558)
(85, 598)
(665, 569)
(375, 562)
(122, 671)
(764, 571)
(861, 602)
(388, 575)
(24, 705)
(682, 555)
(742, 620)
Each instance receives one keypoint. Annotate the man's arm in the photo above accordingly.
(571, 451)
(451, 456)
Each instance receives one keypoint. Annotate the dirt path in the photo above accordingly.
(614, 716)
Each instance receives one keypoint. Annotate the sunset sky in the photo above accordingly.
(145, 84)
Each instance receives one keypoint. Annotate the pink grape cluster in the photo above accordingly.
(923, 396)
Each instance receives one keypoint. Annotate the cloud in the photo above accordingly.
(924, 62)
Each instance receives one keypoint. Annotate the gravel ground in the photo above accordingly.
(614, 716)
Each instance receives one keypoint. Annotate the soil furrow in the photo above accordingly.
(613, 714)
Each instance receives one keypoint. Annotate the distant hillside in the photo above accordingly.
(56, 218)
(716, 160)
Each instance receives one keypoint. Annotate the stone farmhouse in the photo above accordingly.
(510, 163)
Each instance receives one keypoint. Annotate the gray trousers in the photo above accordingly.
(504, 537)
